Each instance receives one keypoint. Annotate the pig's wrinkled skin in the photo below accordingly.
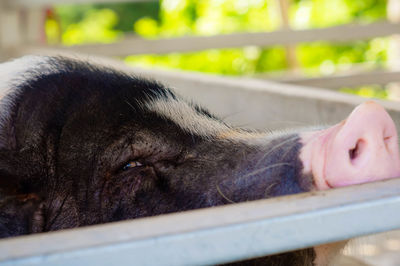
(82, 144)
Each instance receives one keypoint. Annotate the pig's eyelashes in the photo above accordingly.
(130, 165)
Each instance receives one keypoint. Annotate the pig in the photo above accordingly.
(84, 144)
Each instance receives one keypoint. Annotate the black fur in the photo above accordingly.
(73, 126)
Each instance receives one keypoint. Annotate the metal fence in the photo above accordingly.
(228, 233)
(21, 32)
(220, 234)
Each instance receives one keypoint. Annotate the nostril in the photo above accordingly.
(355, 152)
(362, 149)
(389, 143)
(387, 140)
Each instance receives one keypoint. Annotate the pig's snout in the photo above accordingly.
(360, 149)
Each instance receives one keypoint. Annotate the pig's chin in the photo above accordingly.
(363, 148)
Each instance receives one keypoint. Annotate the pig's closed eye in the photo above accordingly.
(130, 165)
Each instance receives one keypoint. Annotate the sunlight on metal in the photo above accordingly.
(220, 234)
(133, 45)
(29, 3)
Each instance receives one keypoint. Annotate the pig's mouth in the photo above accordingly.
(360, 149)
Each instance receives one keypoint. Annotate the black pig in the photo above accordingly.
(83, 144)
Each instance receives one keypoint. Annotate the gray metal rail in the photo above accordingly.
(218, 235)
(134, 45)
(36, 3)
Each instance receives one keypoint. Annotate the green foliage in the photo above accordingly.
(189, 17)
(327, 58)
(102, 23)
(226, 61)
(96, 26)
(372, 91)
(325, 13)
(174, 18)
(129, 13)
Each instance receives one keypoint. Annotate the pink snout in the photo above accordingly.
(363, 148)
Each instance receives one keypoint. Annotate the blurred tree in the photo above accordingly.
(172, 18)
(99, 22)
(127, 13)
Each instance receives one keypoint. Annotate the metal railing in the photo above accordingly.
(227, 233)
(234, 232)
(220, 234)
(20, 34)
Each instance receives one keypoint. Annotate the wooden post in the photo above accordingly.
(290, 49)
(10, 30)
(393, 15)
(33, 30)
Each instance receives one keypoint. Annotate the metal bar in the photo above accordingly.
(220, 234)
(135, 45)
(37, 3)
(380, 77)
(255, 103)
(263, 104)
(291, 58)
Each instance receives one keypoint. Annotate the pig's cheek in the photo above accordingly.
(326, 254)
(312, 156)
(314, 153)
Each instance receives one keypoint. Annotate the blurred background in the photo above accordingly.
(349, 45)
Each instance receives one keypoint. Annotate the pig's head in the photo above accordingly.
(82, 144)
